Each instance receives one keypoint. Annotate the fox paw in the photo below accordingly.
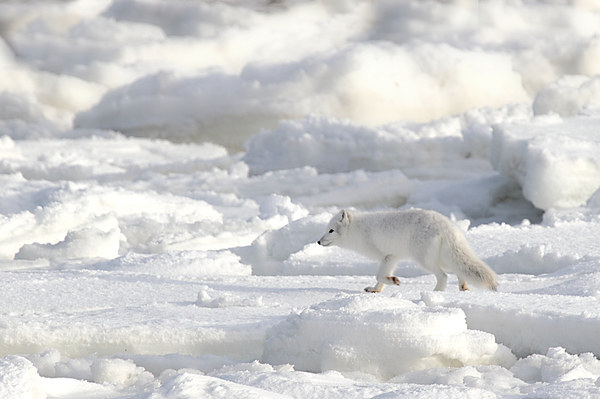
(373, 289)
(395, 280)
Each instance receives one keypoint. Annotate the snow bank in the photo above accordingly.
(313, 190)
(379, 336)
(542, 245)
(19, 379)
(529, 323)
(555, 161)
(373, 85)
(332, 145)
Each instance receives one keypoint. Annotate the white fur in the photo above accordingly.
(424, 236)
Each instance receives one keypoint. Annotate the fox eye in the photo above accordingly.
(331, 231)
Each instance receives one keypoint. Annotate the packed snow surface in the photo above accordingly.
(167, 167)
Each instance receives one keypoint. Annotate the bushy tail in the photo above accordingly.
(467, 265)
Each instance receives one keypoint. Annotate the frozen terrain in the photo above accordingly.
(167, 166)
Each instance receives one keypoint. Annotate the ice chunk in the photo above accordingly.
(529, 323)
(282, 207)
(557, 366)
(115, 371)
(210, 298)
(380, 336)
(555, 161)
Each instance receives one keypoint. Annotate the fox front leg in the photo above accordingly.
(384, 275)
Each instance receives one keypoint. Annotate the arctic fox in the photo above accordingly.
(424, 236)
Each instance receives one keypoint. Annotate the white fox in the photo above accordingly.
(424, 236)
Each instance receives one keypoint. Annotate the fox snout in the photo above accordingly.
(324, 242)
(321, 241)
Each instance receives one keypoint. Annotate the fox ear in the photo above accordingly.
(344, 217)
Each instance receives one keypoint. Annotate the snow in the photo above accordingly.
(568, 96)
(572, 319)
(345, 334)
(555, 161)
(167, 167)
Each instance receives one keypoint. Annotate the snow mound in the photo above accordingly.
(180, 264)
(279, 210)
(529, 323)
(568, 96)
(557, 366)
(554, 160)
(292, 250)
(89, 242)
(268, 252)
(75, 220)
(531, 259)
(115, 371)
(19, 379)
(191, 386)
(211, 298)
(380, 336)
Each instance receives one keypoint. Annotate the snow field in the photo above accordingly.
(432, 344)
(166, 168)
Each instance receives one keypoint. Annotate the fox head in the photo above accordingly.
(335, 229)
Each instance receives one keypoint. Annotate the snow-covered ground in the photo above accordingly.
(167, 166)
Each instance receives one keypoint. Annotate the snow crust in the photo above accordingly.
(167, 167)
